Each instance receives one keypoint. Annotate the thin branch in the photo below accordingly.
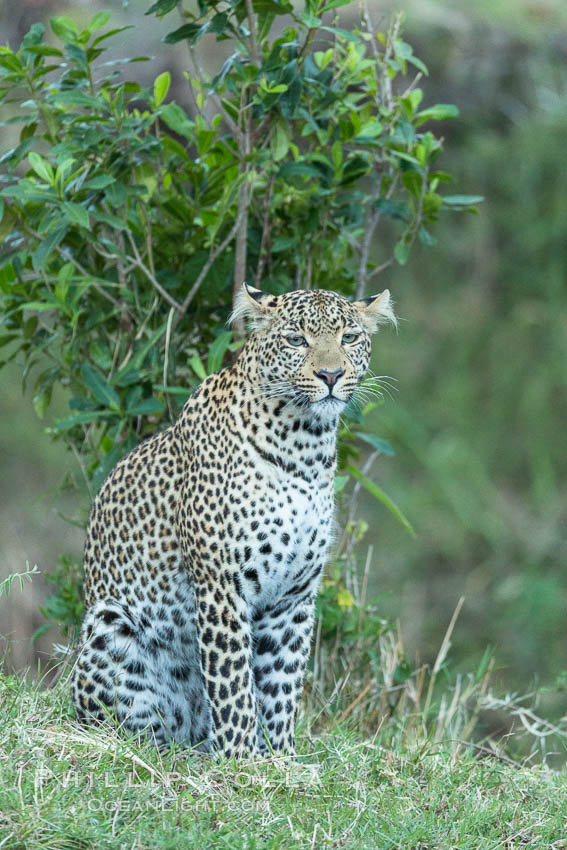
(308, 269)
(370, 30)
(240, 251)
(311, 33)
(364, 590)
(413, 84)
(266, 229)
(261, 131)
(385, 88)
(203, 273)
(371, 224)
(82, 467)
(149, 248)
(195, 72)
(139, 334)
(84, 272)
(379, 269)
(253, 34)
(192, 66)
(387, 83)
(70, 259)
(414, 232)
(240, 255)
(354, 501)
(166, 361)
(139, 263)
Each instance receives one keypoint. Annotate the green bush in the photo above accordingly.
(128, 221)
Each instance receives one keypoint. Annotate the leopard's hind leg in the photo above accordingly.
(144, 675)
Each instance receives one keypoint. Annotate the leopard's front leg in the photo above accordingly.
(224, 638)
(282, 643)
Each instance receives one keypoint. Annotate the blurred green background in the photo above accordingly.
(480, 418)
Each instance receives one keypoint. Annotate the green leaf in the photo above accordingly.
(426, 238)
(79, 419)
(110, 33)
(377, 442)
(421, 66)
(334, 4)
(10, 61)
(161, 87)
(5, 339)
(78, 56)
(41, 402)
(405, 52)
(187, 31)
(100, 182)
(40, 305)
(370, 130)
(7, 276)
(138, 359)
(109, 218)
(439, 112)
(462, 200)
(298, 169)
(126, 377)
(162, 7)
(180, 391)
(218, 24)
(43, 50)
(64, 28)
(401, 252)
(101, 354)
(379, 494)
(393, 209)
(99, 387)
(340, 482)
(134, 397)
(76, 214)
(310, 21)
(98, 21)
(80, 403)
(76, 98)
(42, 168)
(217, 351)
(197, 365)
(177, 120)
(40, 255)
(146, 407)
(346, 34)
(279, 142)
(282, 243)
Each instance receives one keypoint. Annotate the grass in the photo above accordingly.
(62, 786)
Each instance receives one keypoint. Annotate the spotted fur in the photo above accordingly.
(206, 544)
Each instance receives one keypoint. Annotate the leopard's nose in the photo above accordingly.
(330, 378)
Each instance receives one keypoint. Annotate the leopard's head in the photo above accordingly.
(311, 349)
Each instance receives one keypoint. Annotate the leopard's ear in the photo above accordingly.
(253, 304)
(376, 310)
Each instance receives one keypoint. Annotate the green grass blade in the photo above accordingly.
(379, 494)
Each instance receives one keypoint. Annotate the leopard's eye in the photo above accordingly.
(348, 338)
(296, 340)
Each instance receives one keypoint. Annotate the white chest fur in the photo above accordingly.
(289, 535)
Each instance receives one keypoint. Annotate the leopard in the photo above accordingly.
(206, 544)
